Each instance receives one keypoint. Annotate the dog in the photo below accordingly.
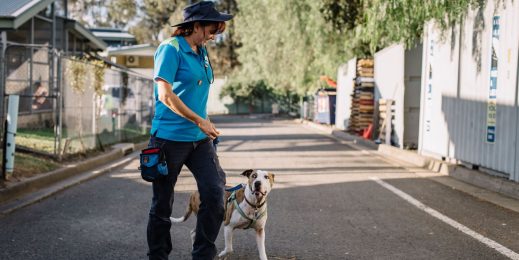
(245, 207)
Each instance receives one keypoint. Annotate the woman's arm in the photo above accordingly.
(173, 102)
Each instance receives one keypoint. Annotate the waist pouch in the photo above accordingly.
(153, 164)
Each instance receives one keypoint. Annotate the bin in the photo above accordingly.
(325, 106)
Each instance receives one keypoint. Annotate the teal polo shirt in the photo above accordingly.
(189, 74)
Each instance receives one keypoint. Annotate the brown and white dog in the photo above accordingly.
(244, 208)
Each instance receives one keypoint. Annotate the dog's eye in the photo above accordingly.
(254, 176)
(266, 177)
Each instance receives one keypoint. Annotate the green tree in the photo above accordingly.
(103, 13)
(156, 19)
(223, 51)
(375, 24)
(287, 43)
(121, 12)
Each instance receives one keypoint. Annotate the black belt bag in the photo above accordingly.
(153, 164)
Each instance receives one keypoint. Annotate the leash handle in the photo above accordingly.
(216, 141)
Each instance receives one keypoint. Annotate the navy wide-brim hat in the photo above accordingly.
(203, 11)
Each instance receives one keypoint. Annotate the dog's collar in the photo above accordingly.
(252, 221)
(252, 205)
(256, 206)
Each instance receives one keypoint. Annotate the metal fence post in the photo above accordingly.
(2, 97)
(59, 96)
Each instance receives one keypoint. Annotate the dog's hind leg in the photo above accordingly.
(228, 241)
(193, 233)
(260, 240)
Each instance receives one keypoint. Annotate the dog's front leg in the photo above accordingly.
(260, 240)
(228, 241)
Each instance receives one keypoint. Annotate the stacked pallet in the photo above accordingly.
(362, 105)
(386, 117)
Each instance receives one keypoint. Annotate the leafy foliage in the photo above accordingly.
(222, 52)
(380, 23)
(286, 43)
(291, 43)
(343, 15)
(121, 12)
(156, 19)
(75, 72)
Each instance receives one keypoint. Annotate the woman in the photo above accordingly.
(182, 75)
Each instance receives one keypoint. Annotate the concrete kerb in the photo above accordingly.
(42, 181)
(339, 134)
(457, 172)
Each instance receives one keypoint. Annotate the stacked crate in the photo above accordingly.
(362, 105)
(386, 117)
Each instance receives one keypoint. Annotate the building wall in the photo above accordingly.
(215, 105)
(144, 62)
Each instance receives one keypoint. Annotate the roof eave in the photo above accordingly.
(127, 50)
(74, 25)
(13, 22)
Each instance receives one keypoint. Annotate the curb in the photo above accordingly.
(20, 193)
(459, 172)
(340, 134)
(476, 178)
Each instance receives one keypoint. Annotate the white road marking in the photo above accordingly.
(487, 241)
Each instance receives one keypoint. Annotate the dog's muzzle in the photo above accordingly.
(257, 189)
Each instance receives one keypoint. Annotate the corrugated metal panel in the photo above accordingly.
(474, 91)
(345, 76)
(464, 106)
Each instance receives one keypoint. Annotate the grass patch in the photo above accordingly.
(43, 139)
(36, 139)
(44, 134)
(27, 165)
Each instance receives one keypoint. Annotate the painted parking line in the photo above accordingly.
(487, 241)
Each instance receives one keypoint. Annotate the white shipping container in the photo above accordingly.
(398, 77)
(345, 76)
(471, 113)
(440, 62)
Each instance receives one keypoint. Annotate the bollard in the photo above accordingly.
(12, 121)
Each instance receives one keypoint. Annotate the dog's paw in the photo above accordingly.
(224, 254)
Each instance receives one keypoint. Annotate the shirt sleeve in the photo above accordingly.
(166, 62)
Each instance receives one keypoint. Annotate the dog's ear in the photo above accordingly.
(247, 172)
(271, 178)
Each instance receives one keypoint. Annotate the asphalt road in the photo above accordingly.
(325, 205)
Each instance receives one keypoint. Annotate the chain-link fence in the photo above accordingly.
(119, 110)
(69, 105)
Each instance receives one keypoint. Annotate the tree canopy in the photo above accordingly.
(287, 43)
(291, 43)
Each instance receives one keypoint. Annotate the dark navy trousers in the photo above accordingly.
(200, 157)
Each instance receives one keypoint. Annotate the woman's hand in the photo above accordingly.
(208, 128)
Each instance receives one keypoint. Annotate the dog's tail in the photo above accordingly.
(189, 210)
